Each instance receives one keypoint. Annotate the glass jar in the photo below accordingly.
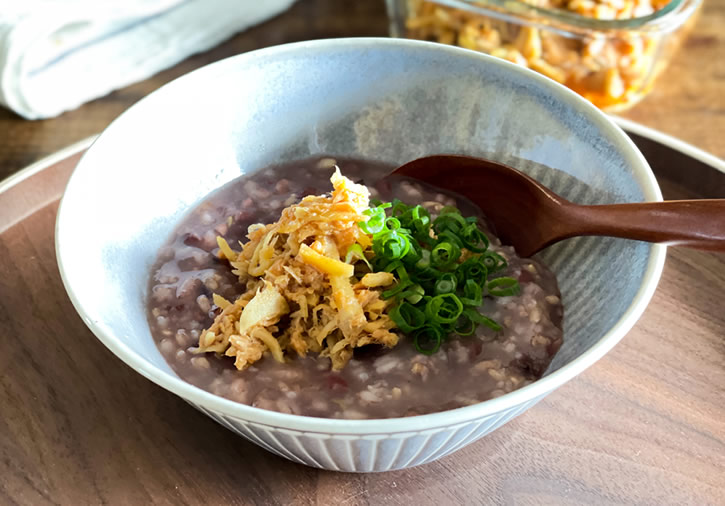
(609, 51)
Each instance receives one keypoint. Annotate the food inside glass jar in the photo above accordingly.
(276, 294)
(612, 68)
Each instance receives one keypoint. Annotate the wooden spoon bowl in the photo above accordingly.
(531, 217)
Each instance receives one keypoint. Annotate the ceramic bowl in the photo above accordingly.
(381, 99)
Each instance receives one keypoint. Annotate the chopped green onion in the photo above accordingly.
(414, 253)
(398, 288)
(427, 340)
(472, 294)
(424, 261)
(436, 292)
(407, 317)
(392, 223)
(465, 326)
(450, 210)
(449, 236)
(413, 294)
(493, 261)
(376, 220)
(474, 239)
(452, 222)
(473, 269)
(403, 280)
(417, 219)
(398, 208)
(443, 309)
(390, 244)
(477, 317)
(402, 273)
(428, 277)
(355, 252)
(445, 284)
(503, 287)
(390, 267)
(445, 255)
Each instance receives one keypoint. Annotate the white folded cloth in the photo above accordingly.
(58, 54)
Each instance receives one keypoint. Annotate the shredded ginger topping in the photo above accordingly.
(300, 295)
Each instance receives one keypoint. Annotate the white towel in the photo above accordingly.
(58, 54)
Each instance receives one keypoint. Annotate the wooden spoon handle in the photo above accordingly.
(696, 224)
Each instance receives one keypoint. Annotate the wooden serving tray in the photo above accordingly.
(645, 425)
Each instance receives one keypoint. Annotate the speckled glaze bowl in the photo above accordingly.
(381, 99)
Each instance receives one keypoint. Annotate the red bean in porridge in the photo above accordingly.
(379, 374)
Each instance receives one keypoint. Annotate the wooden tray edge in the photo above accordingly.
(44, 163)
(683, 147)
(628, 126)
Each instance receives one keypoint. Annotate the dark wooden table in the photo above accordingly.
(645, 425)
(688, 102)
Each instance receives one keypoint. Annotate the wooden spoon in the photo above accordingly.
(531, 217)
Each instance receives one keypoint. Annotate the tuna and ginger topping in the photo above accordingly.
(300, 295)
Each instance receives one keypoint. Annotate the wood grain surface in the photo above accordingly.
(688, 100)
(644, 425)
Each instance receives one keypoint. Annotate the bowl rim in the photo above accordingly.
(414, 424)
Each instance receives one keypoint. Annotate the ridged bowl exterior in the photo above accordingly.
(369, 453)
(380, 99)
